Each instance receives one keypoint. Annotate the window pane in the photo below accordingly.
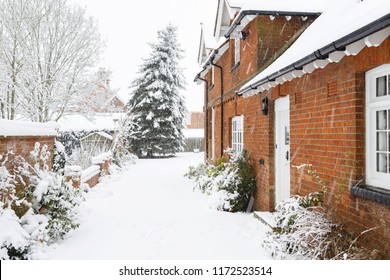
(287, 135)
(388, 85)
(381, 87)
(381, 120)
(381, 163)
(381, 141)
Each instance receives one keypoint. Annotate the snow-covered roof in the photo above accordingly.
(98, 122)
(207, 44)
(339, 19)
(25, 128)
(311, 6)
(230, 9)
(100, 133)
(214, 56)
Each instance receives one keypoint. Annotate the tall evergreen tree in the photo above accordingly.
(157, 108)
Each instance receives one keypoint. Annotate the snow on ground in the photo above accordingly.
(151, 212)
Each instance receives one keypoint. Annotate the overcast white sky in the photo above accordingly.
(129, 25)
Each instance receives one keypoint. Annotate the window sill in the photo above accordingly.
(235, 67)
(378, 195)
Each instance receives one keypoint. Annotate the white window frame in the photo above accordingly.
(236, 51)
(238, 133)
(373, 105)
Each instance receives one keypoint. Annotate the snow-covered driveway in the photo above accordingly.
(150, 212)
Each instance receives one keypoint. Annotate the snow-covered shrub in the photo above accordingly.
(51, 195)
(46, 205)
(14, 240)
(230, 183)
(7, 184)
(59, 158)
(121, 148)
(305, 231)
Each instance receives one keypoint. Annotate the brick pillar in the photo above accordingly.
(73, 173)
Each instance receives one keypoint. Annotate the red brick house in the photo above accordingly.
(304, 87)
(195, 120)
(103, 99)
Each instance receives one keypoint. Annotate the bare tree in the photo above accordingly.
(57, 47)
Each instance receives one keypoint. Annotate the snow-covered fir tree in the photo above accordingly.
(157, 108)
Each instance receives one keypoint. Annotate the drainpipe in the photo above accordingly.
(206, 105)
(221, 100)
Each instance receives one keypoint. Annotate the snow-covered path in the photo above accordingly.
(150, 212)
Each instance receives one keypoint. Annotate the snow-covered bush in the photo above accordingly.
(230, 183)
(14, 240)
(7, 184)
(305, 231)
(51, 195)
(46, 205)
(59, 158)
(121, 148)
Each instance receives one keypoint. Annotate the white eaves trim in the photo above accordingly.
(225, 13)
(218, 53)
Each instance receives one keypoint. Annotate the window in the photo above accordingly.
(378, 127)
(238, 133)
(236, 51)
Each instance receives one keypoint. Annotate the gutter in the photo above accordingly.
(323, 53)
(243, 14)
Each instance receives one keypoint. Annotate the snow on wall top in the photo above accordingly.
(25, 128)
(312, 6)
(339, 19)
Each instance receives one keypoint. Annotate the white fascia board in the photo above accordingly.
(218, 20)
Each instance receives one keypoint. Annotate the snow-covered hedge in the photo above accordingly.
(229, 183)
(306, 231)
(43, 209)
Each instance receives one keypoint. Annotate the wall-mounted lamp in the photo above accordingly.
(242, 35)
(264, 106)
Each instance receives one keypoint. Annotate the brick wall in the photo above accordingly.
(254, 56)
(197, 120)
(23, 145)
(327, 119)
